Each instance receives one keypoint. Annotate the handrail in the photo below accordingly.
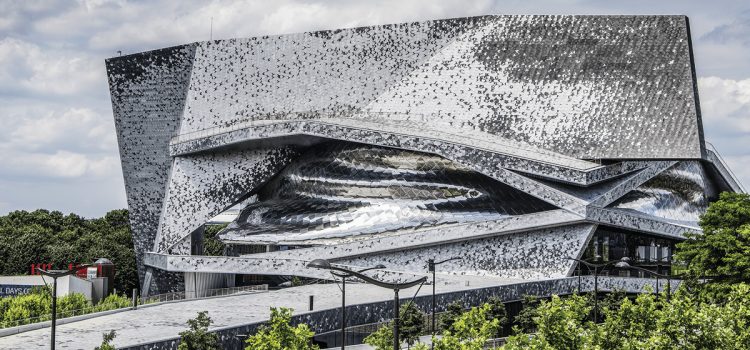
(724, 164)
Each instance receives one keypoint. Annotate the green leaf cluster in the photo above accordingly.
(107, 339)
(37, 306)
(470, 331)
(279, 334)
(452, 312)
(411, 326)
(212, 245)
(42, 236)
(683, 322)
(723, 249)
(197, 336)
(411, 323)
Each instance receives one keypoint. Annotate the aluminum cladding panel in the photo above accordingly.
(584, 86)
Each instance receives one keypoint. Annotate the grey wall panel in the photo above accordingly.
(620, 86)
(532, 254)
(202, 186)
(148, 96)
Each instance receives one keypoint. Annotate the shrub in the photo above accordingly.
(279, 334)
(112, 302)
(197, 337)
(381, 339)
(471, 330)
(107, 339)
(73, 304)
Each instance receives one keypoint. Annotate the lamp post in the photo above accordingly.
(325, 264)
(431, 263)
(55, 274)
(625, 265)
(343, 298)
(596, 278)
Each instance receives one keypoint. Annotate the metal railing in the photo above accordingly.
(724, 164)
(177, 296)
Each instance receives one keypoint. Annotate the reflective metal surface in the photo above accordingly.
(681, 193)
(341, 189)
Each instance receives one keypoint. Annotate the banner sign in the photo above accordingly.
(8, 290)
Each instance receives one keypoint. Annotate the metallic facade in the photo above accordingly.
(507, 140)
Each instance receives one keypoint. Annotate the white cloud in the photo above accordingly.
(61, 164)
(43, 129)
(28, 68)
(725, 104)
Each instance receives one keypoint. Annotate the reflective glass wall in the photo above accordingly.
(646, 251)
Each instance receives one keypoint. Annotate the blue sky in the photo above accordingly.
(58, 148)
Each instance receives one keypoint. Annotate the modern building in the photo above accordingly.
(513, 142)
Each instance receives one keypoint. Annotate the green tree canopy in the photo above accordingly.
(723, 249)
(683, 322)
(42, 236)
(279, 334)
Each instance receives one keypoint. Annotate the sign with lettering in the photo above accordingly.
(8, 290)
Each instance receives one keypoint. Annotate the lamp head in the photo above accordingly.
(320, 264)
(379, 266)
(597, 257)
(622, 265)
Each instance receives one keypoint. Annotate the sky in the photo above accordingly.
(58, 149)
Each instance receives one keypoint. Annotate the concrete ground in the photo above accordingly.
(167, 320)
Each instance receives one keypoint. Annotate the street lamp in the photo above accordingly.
(55, 274)
(343, 298)
(325, 264)
(625, 265)
(596, 278)
(431, 263)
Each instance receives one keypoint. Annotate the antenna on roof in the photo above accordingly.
(211, 35)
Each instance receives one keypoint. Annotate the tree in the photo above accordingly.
(525, 318)
(471, 330)
(723, 248)
(411, 323)
(497, 312)
(629, 326)
(683, 322)
(107, 339)
(42, 236)
(452, 313)
(212, 245)
(382, 338)
(197, 337)
(279, 334)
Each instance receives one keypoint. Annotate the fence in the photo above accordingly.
(176, 296)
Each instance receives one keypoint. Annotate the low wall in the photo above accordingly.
(328, 320)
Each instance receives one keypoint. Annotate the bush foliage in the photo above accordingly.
(197, 336)
(279, 334)
(683, 322)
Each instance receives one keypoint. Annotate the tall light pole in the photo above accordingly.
(325, 264)
(431, 263)
(55, 274)
(596, 278)
(343, 298)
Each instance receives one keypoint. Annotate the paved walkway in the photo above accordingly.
(167, 320)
